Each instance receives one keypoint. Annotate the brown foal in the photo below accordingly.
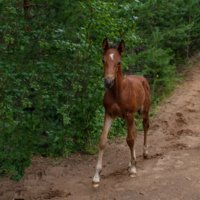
(123, 97)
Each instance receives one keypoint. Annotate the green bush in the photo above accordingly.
(51, 76)
(51, 82)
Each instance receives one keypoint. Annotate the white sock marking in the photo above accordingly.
(96, 177)
(145, 150)
(134, 153)
(111, 55)
(109, 124)
(133, 169)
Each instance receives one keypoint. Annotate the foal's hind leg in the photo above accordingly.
(145, 127)
(144, 112)
(131, 143)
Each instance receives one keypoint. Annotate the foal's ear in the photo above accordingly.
(105, 45)
(121, 47)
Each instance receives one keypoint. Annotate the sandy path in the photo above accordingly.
(171, 172)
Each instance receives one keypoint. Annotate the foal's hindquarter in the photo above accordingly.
(128, 95)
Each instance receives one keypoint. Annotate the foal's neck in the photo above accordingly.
(118, 84)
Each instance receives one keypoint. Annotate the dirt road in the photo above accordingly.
(171, 172)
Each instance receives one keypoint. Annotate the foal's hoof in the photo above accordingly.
(95, 184)
(132, 172)
(145, 155)
(132, 175)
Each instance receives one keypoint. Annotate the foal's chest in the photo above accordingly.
(114, 110)
(117, 109)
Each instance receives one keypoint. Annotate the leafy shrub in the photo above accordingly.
(51, 77)
(51, 82)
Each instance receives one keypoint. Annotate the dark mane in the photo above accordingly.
(113, 46)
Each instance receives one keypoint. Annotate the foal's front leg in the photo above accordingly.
(135, 137)
(108, 120)
(131, 142)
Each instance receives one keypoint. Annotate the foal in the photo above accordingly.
(123, 97)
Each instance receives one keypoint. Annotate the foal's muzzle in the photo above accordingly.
(108, 82)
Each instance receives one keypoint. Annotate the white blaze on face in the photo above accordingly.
(111, 55)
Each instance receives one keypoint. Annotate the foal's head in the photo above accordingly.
(111, 61)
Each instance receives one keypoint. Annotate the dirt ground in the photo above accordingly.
(172, 170)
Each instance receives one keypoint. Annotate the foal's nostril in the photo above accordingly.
(105, 81)
(108, 83)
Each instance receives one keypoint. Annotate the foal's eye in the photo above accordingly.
(119, 63)
(102, 61)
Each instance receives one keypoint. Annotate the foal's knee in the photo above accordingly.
(102, 143)
(130, 142)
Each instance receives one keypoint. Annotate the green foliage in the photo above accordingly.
(151, 61)
(51, 82)
(169, 33)
(51, 76)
